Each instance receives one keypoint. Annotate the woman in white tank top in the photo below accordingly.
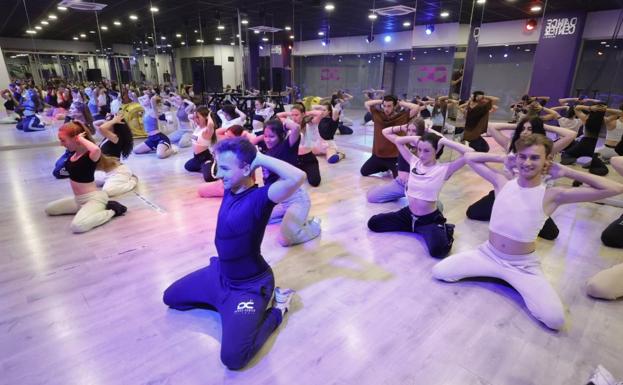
(520, 209)
(614, 133)
(426, 178)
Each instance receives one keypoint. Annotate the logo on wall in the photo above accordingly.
(330, 74)
(432, 74)
(563, 26)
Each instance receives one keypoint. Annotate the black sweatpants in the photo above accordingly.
(583, 147)
(482, 208)
(375, 165)
(309, 164)
(245, 321)
(194, 164)
(613, 234)
(437, 234)
(479, 144)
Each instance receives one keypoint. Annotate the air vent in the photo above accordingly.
(265, 29)
(397, 10)
(80, 5)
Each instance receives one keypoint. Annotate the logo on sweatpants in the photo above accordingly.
(245, 307)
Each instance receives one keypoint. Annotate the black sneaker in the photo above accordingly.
(117, 207)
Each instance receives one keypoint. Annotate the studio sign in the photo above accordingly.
(561, 26)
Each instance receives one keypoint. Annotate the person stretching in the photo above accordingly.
(426, 178)
(91, 206)
(384, 153)
(238, 283)
(156, 140)
(522, 204)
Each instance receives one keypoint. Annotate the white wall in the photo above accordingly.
(4, 73)
(231, 72)
(47, 45)
(599, 25)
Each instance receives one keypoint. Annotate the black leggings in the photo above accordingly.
(375, 165)
(613, 234)
(437, 234)
(583, 147)
(309, 164)
(479, 144)
(481, 211)
(194, 164)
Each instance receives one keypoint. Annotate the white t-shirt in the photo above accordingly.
(571, 124)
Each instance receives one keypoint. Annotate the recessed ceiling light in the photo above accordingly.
(603, 42)
(154, 9)
(256, 31)
(536, 8)
(45, 22)
(444, 14)
(406, 24)
(599, 53)
(52, 16)
(196, 31)
(244, 21)
(320, 33)
(480, 1)
(75, 38)
(116, 22)
(168, 45)
(183, 43)
(292, 37)
(199, 41)
(91, 31)
(217, 38)
(163, 38)
(237, 35)
(287, 28)
(527, 49)
(607, 46)
(61, 8)
(178, 35)
(133, 17)
(83, 35)
(104, 28)
(264, 39)
(38, 27)
(221, 27)
(329, 7)
(372, 16)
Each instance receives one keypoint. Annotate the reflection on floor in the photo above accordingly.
(86, 309)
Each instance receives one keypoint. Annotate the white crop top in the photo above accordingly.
(425, 183)
(309, 138)
(518, 212)
(198, 139)
(616, 133)
(228, 123)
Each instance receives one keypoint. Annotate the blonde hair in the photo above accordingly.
(75, 128)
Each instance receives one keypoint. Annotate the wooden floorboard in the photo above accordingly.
(87, 309)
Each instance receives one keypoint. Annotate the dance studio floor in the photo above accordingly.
(87, 309)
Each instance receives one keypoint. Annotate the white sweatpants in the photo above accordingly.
(90, 210)
(116, 182)
(607, 284)
(522, 272)
(607, 152)
(295, 227)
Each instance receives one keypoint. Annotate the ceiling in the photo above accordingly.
(306, 17)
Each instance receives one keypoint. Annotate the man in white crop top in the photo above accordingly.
(521, 206)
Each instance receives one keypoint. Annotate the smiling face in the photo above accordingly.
(70, 143)
(231, 171)
(531, 161)
(270, 138)
(426, 152)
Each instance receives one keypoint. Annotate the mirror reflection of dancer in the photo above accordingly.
(239, 283)
(156, 140)
(522, 205)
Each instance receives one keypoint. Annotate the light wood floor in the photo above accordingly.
(86, 309)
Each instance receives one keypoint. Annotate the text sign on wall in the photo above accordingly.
(330, 73)
(562, 26)
(432, 74)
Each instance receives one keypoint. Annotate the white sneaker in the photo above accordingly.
(601, 376)
(282, 299)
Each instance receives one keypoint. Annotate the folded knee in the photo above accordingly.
(597, 289)
(80, 227)
(554, 321)
(441, 272)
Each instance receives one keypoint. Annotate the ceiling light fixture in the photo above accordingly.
(531, 24)
(221, 27)
(372, 16)
(536, 8)
(430, 28)
(133, 17)
(406, 24)
(255, 31)
(292, 37)
(104, 28)
(38, 27)
(320, 33)
(83, 35)
(178, 35)
(61, 8)
(444, 14)
(287, 28)
(199, 41)
(93, 32)
(52, 17)
(75, 38)
(163, 38)
(480, 1)
(154, 9)
(264, 38)
(244, 21)
(116, 22)
(329, 7)
(217, 38)
(45, 22)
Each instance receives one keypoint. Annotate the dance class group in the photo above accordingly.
(540, 146)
